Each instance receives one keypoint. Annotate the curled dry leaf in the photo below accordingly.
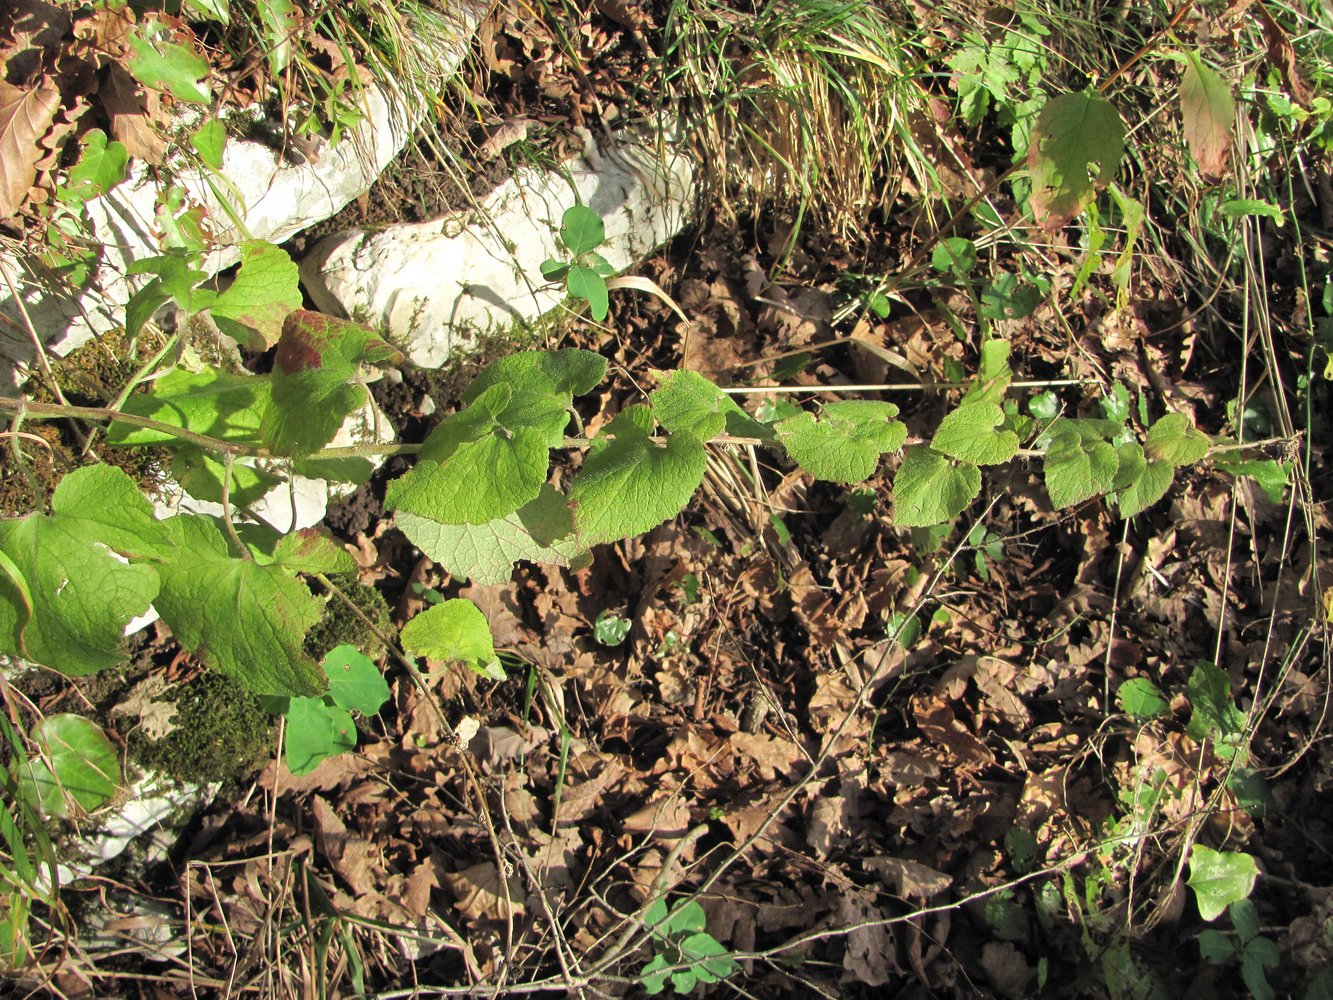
(25, 116)
(910, 879)
(480, 895)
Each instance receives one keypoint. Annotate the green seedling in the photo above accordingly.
(686, 954)
(318, 728)
(584, 271)
(610, 629)
(1255, 953)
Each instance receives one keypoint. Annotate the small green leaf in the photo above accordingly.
(541, 531)
(1220, 879)
(653, 981)
(845, 443)
(631, 484)
(314, 731)
(610, 629)
(355, 683)
(1214, 714)
(554, 270)
(454, 630)
(954, 254)
(1140, 698)
(279, 20)
(969, 434)
(1138, 482)
(1174, 439)
(1077, 468)
(1044, 405)
(1216, 947)
(1077, 145)
(1270, 476)
(1259, 954)
(711, 960)
(208, 141)
(930, 489)
(581, 230)
(100, 168)
(76, 765)
(687, 403)
(1244, 919)
(585, 283)
(1234, 208)
(252, 308)
(166, 65)
(313, 550)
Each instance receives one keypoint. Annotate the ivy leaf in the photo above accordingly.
(79, 596)
(227, 407)
(1078, 467)
(1174, 439)
(1220, 878)
(473, 469)
(314, 377)
(581, 230)
(631, 484)
(166, 65)
(252, 309)
(100, 168)
(1076, 147)
(1142, 699)
(1213, 714)
(454, 630)
(585, 283)
(687, 403)
(845, 443)
(240, 617)
(541, 531)
(315, 730)
(1139, 483)
(929, 489)
(313, 550)
(355, 683)
(969, 434)
(1208, 116)
(77, 764)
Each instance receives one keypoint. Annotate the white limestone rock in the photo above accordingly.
(435, 286)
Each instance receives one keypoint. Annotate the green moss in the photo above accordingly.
(221, 733)
(341, 626)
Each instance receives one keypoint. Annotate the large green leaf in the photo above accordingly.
(167, 65)
(473, 468)
(76, 765)
(315, 387)
(931, 489)
(845, 443)
(454, 630)
(1076, 148)
(100, 503)
(559, 374)
(1078, 467)
(1220, 878)
(971, 434)
(227, 407)
(1139, 483)
(687, 403)
(541, 531)
(252, 308)
(239, 616)
(100, 168)
(313, 550)
(631, 484)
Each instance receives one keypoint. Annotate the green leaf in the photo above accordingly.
(684, 981)
(1216, 947)
(687, 403)
(1244, 919)
(472, 468)
(554, 270)
(1139, 483)
(930, 489)
(336, 470)
(314, 731)
(1208, 116)
(454, 630)
(544, 384)
(252, 308)
(1044, 405)
(631, 484)
(1076, 147)
(1077, 468)
(1259, 954)
(653, 981)
(609, 629)
(1174, 439)
(166, 65)
(541, 531)
(1271, 476)
(355, 683)
(845, 443)
(1142, 699)
(711, 960)
(315, 373)
(581, 230)
(1214, 714)
(100, 503)
(313, 550)
(208, 141)
(279, 20)
(954, 254)
(77, 764)
(100, 168)
(1220, 879)
(240, 617)
(227, 407)
(80, 595)
(585, 283)
(969, 434)
(1234, 208)
(200, 473)
(213, 10)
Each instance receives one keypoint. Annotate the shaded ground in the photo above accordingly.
(885, 762)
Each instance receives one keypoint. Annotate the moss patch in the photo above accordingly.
(341, 626)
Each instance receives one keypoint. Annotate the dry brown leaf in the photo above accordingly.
(871, 955)
(910, 879)
(774, 756)
(668, 817)
(25, 116)
(480, 895)
(134, 111)
(1208, 116)
(416, 891)
(1008, 970)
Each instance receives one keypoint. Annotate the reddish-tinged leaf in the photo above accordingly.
(25, 115)
(1076, 148)
(1208, 113)
(1283, 57)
